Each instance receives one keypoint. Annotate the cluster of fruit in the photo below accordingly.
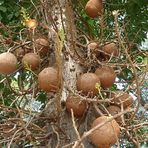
(108, 134)
(104, 76)
(86, 83)
(47, 78)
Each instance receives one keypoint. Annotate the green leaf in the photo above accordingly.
(3, 9)
(145, 60)
(1, 2)
(1, 86)
(17, 14)
(139, 59)
(6, 92)
(10, 16)
(114, 87)
(0, 17)
(126, 74)
(42, 97)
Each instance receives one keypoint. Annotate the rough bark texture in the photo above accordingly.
(60, 125)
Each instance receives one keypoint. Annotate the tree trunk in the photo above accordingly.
(62, 128)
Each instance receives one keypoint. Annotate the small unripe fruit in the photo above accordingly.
(31, 60)
(87, 83)
(79, 107)
(107, 135)
(48, 79)
(8, 63)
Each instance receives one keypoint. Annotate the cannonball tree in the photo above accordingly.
(73, 73)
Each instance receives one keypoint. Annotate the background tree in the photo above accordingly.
(33, 117)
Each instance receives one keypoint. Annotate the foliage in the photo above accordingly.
(132, 19)
(11, 16)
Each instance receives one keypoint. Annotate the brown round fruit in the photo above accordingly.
(19, 52)
(87, 83)
(8, 63)
(94, 8)
(42, 46)
(92, 45)
(113, 110)
(31, 23)
(122, 97)
(48, 79)
(31, 60)
(111, 49)
(106, 75)
(107, 135)
(79, 107)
